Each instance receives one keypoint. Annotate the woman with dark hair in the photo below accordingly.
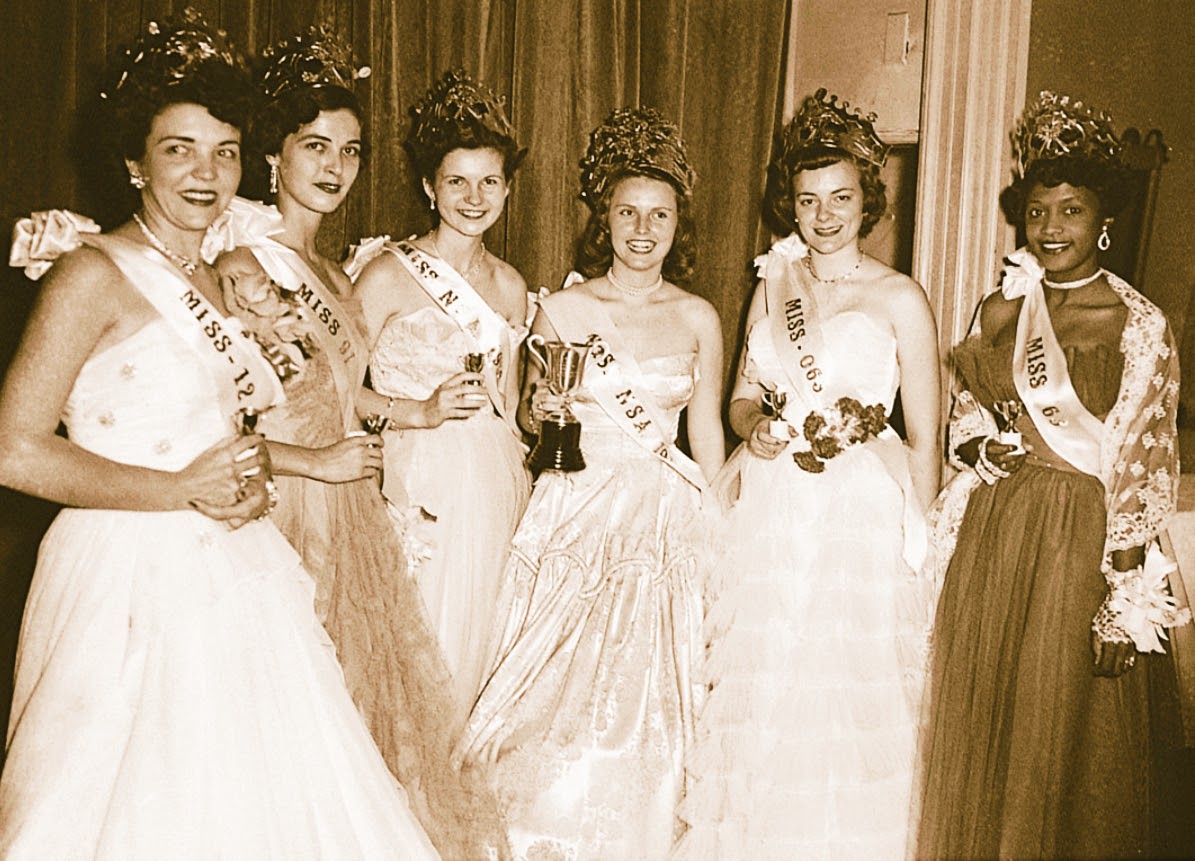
(1054, 598)
(588, 710)
(308, 134)
(175, 694)
(817, 624)
(444, 320)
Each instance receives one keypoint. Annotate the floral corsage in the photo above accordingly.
(275, 318)
(831, 431)
(1139, 607)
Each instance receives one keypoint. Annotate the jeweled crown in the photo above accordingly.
(166, 53)
(451, 109)
(634, 140)
(823, 121)
(1055, 126)
(313, 58)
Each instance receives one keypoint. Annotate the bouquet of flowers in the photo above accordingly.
(832, 431)
(275, 318)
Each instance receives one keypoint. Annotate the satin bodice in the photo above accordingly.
(858, 360)
(146, 402)
(416, 352)
(667, 383)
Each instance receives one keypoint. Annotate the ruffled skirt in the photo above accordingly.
(817, 631)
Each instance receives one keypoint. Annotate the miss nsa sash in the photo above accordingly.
(1040, 374)
(456, 297)
(614, 380)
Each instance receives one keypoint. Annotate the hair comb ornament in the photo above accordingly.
(634, 140)
(166, 53)
(454, 106)
(313, 58)
(823, 121)
(1055, 126)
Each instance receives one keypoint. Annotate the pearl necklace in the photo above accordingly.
(837, 279)
(1074, 285)
(186, 264)
(631, 289)
(474, 261)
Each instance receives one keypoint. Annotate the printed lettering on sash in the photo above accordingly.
(456, 297)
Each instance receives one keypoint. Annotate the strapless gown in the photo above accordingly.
(589, 708)
(456, 492)
(175, 695)
(817, 631)
(1028, 753)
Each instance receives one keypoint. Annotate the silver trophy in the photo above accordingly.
(559, 443)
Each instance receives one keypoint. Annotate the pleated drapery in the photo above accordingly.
(713, 66)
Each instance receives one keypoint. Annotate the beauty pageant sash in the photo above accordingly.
(612, 376)
(244, 378)
(334, 327)
(456, 297)
(795, 323)
(796, 328)
(1040, 374)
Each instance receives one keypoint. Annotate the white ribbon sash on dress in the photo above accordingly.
(246, 379)
(1040, 374)
(456, 297)
(334, 329)
(796, 325)
(611, 375)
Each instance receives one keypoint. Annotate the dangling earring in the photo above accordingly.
(136, 180)
(1105, 241)
(432, 203)
(273, 177)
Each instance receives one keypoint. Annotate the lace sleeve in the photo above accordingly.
(1141, 465)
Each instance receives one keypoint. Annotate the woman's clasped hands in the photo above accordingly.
(230, 481)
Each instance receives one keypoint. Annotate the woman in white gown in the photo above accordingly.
(454, 474)
(805, 746)
(175, 695)
(588, 710)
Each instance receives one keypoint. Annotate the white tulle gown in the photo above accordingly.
(816, 630)
(175, 695)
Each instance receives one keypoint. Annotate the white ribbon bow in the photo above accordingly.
(43, 237)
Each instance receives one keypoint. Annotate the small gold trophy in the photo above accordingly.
(559, 444)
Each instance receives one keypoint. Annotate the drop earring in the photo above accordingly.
(273, 177)
(432, 203)
(1105, 241)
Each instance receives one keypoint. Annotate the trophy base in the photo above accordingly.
(558, 447)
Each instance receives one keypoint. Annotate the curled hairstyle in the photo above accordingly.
(279, 118)
(779, 201)
(1105, 178)
(595, 252)
(459, 113)
(181, 62)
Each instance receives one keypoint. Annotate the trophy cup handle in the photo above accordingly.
(535, 347)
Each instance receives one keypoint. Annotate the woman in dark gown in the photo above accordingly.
(1055, 597)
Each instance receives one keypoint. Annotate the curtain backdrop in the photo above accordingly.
(713, 66)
